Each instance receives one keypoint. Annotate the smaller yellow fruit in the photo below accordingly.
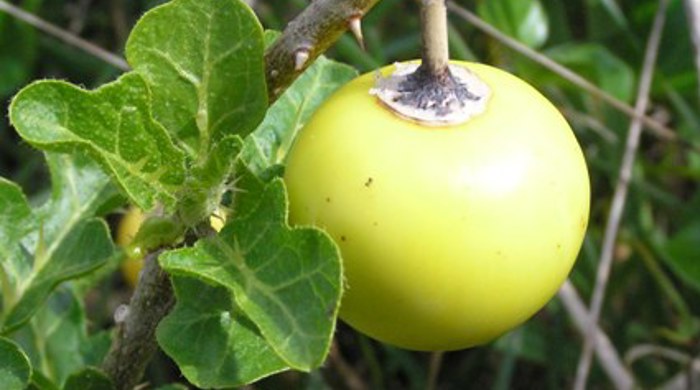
(126, 231)
(450, 236)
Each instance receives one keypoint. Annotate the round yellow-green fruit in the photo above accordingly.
(449, 236)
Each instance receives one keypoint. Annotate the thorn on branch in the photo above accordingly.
(301, 57)
(316, 28)
(355, 26)
(121, 314)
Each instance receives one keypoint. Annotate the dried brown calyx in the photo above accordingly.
(447, 98)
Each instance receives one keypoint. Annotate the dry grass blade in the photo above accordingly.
(657, 128)
(620, 196)
(64, 35)
(692, 8)
(610, 359)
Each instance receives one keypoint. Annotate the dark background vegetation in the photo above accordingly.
(651, 304)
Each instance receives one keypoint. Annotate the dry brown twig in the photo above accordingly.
(310, 34)
(610, 360)
(658, 129)
(64, 35)
(620, 196)
(692, 8)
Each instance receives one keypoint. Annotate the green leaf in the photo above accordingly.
(83, 249)
(41, 382)
(89, 378)
(173, 386)
(15, 369)
(247, 190)
(615, 13)
(683, 254)
(157, 231)
(209, 182)
(229, 350)
(65, 241)
(56, 338)
(16, 221)
(204, 62)
(269, 144)
(221, 163)
(270, 36)
(113, 124)
(286, 280)
(524, 20)
(597, 64)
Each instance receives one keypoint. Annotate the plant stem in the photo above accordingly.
(435, 52)
(310, 34)
(135, 343)
(65, 36)
(434, 370)
(619, 199)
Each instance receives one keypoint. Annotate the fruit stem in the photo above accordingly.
(434, 93)
(434, 38)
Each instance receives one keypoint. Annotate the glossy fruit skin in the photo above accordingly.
(450, 236)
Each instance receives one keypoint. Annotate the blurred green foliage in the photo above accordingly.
(654, 291)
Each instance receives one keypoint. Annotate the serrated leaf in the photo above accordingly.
(229, 350)
(270, 142)
(64, 242)
(113, 124)
(15, 369)
(204, 62)
(524, 20)
(286, 280)
(89, 378)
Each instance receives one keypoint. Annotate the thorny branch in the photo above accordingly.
(307, 36)
(135, 343)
